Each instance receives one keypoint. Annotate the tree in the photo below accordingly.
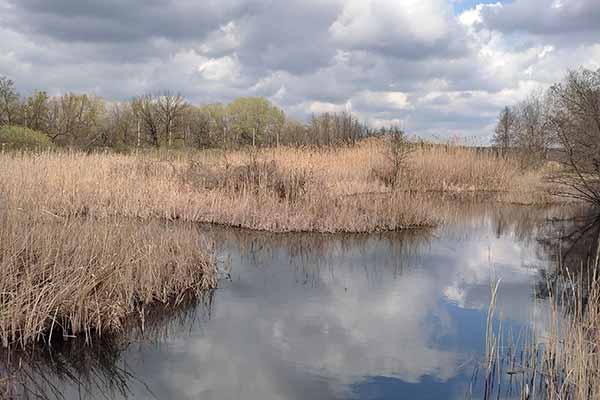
(504, 136)
(575, 120)
(9, 101)
(255, 120)
(118, 127)
(532, 136)
(74, 119)
(335, 129)
(196, 123)
(294, 132)
(170, 107)
(159, 116)
(146, 112)
(35, 111)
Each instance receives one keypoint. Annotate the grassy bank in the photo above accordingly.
(90, 240)
(66, 276)
(344, 189)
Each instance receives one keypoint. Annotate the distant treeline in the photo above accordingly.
(166, 120)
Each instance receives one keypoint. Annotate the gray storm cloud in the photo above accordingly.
(307, 57)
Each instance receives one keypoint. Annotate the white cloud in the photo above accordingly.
(220, 69)
(370, 22)
(412, 61)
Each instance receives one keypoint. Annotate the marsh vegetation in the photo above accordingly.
(100, 206)
(355, 189)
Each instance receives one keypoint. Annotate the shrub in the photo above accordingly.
(396, 152)
(21, 138)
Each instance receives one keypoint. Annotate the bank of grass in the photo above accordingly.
(285, 189)
(89, 240)
(66, 276)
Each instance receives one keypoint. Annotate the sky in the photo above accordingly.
(438, 68)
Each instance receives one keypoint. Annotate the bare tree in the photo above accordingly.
(532, 136)
(73, 119)
(171, 108)
(504, 136)
(117, 129)
(199, 132)
(575, 120)
(146, 111)
(335, 129)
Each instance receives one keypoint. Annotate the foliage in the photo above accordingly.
(20, 138)
(166, 120)
(9, 102)
(73, 119)
(254, 120)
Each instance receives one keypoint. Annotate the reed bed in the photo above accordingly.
(284, 189)
(95, 368)
(563, 363)
(65, 276)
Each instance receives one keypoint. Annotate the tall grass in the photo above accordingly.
(93, 367)
(64, 276)
(285, 189)
(565, 362)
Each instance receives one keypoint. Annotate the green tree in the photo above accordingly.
(9, 102)
(255, 120)
(218, 124)
(35, 111)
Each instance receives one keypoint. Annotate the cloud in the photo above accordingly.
(220, 69)
(544, 17)
(413, 30)
(413, 62)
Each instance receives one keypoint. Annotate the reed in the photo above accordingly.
(564, 363)
(277, 189)
(66, 276)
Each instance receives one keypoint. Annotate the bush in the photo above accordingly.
(21, 138)
(254, 177)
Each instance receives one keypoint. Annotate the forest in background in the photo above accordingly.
(166, 119)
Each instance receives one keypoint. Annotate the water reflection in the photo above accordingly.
(317, 316)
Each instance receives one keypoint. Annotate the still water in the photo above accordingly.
(304, 316)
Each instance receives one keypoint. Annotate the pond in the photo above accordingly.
(307, 316)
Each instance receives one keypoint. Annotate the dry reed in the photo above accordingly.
(64, 277)
(564, 363)
(285, 189)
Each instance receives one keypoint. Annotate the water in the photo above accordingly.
(382, 316)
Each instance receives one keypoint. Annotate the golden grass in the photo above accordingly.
(285, 189)
(86, 242)
(80, 276)
(571, 357)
